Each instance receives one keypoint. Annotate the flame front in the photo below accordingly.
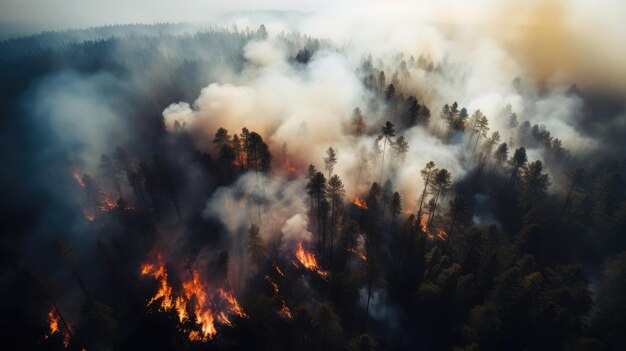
(196, 302)
(309, 261)
(165, 291)
(359, 202)
(194, 291)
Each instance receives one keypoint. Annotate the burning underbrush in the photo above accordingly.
(97, 200)
(196, 300)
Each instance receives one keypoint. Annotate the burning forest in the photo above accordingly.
(313, 176)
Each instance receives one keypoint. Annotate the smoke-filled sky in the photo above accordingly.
(554, 39)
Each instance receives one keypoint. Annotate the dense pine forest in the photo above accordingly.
(175, 187)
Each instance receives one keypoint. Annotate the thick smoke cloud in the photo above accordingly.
(477, 49)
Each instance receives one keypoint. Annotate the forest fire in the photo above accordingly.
(165, 291)
(206, 186)
(195, 296)
(195, 292)
(54, 327)
(104, 201)
(357, 253)
(424, 224)
(432, 232)
(359, 202)
(235, 307)
(309, 261)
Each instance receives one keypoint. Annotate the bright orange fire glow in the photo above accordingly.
(196, 301)
(432, 233)
(165, 291)
(181, 309)
(358, 254)
(53, 327)
(234, 304)
(309, 261)
(359, 202)
(53, 322)
(194, 291)
(424, 224)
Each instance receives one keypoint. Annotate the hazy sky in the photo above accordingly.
(37, 15)
(577, 37)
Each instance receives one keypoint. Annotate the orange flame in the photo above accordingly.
(53, 322)
(309, 261)
(424, 224)
(194, 291)
(195, 296)
(359, 202)
(432, 233)
(53, 327)
(181, 309)
(358, 254)
(165, 291)
(234, 304)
